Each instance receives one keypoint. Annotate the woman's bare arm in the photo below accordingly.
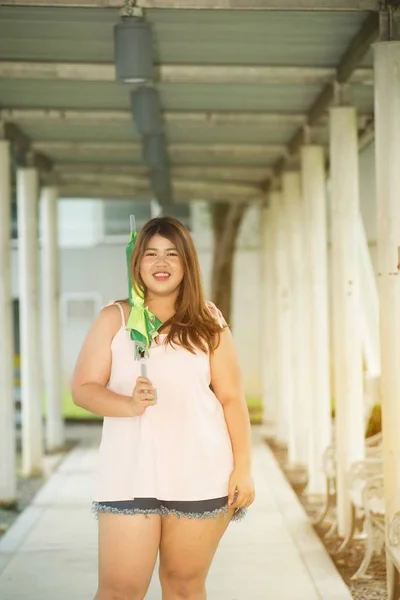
(92, 371)
(227, 384)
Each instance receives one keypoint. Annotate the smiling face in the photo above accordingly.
(161, 267)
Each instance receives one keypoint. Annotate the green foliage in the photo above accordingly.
(255, 407)
(375, 422)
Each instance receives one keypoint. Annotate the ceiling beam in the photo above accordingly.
(191, 118)
(113, 192)
(216, 191)
(189, 172)
(188, 74)
(281, 5)
(81, 190)
(15, 135)
(359, 46)
(177, 151)
(195, 191)
(139, 183)
(187, 117)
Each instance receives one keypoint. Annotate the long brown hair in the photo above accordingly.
(192, 326)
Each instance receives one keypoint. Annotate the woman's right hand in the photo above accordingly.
(143, 396)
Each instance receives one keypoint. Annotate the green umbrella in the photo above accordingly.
(143, 325)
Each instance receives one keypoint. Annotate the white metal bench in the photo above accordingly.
(359, 474)
(393, 566)
(373, 447)
(374, 525)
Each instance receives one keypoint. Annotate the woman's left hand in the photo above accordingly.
(241, 488)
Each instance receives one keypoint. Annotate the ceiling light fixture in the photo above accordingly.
(133, 50)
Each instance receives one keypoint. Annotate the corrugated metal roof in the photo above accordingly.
(181, 37)
(179, 132)
(278, 98)
(231, 134)
(70, 131)
(62, 94)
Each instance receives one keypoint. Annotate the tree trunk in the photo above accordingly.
(227, 219)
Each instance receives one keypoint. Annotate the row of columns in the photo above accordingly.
(298, 310)
(297, 377)
(40, 350)
(299, 348)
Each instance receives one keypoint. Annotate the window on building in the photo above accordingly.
(116, 215)
(80, 309)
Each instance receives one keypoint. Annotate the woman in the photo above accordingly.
(178, 445)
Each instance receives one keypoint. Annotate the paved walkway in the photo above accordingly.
(50, 552)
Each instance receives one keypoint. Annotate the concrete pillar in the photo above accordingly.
(369, 313)
(155, 209)
(347, 350)
(286, 425)
(51, 320)
(299, 292)
(31, 376)
(268, 337)
(387, 140)
(8, 469)
(316, 253)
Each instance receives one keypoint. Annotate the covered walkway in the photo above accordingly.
(286, 112)
(51, 551)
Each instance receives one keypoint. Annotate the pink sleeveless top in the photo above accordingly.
(180, 448)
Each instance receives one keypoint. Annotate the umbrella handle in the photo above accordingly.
(143, 367)
(132, 222)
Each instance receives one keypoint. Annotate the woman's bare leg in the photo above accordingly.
(128, 547)
(186, 551)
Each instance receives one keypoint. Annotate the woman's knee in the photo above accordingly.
(120, 592)
(182, 584)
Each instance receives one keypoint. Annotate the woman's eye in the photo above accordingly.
(150, 254)
(172, 254)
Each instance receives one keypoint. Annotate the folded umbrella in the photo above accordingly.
(142, 324)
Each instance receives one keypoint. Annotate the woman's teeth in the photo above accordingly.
(161, 276)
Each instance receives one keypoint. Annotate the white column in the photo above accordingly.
(316, 261)
(369, 311)
(299, 293)
(51, 320)
(286, 426)
(155, 209)
(347, 350)
(8, 468)
(268, 353)
(387, 140)
(31, 379)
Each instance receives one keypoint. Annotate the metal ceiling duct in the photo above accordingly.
(133, 51)
(160, 181)
(146, 111)
(155, 154)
